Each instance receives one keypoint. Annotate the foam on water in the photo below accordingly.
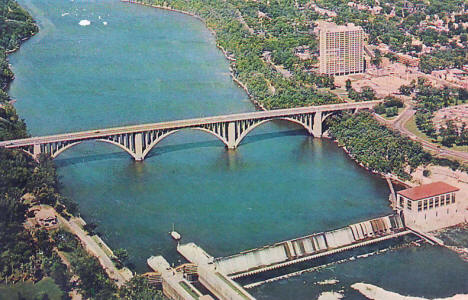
(85, 23)
(330, 296)
(375, 292)
(328, 281)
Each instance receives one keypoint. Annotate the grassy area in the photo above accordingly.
(232, 286)
(339, 92)
(96, 239)
(400, 109)
(29, 290)
(411, 126)
(189, 290)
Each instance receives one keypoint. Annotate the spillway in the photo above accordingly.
(311, 246)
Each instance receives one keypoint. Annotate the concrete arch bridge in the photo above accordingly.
(138, 140)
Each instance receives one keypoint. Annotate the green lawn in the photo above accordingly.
(96, 239)
(400, 109)
(239, 292)
(30, 290)
(411, 126)
(189, 290)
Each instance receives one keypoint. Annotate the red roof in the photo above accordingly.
(428, 190)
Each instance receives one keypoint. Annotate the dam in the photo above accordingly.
(309, 247)
(218, 274)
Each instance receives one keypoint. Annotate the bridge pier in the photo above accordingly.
(317, 126)
(36, 151)
(231, 138)
(139, 147)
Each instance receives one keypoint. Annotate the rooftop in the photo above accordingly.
(330, 26)
(428, 190)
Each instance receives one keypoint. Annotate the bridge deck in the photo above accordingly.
(100, 133)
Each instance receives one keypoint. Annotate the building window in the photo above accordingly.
(419, 205)
(408, 205)
(402, 201)
(447, 199)
(442, 201)
(453, 198)
(431, 203)
(425, 204)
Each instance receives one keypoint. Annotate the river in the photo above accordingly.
(134, 65)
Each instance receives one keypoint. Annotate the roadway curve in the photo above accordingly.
(399, 125)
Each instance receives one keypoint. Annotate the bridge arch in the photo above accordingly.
(165, 135)
(61, 150)
(249, 129)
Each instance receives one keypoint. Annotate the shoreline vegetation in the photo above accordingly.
(397, 176)
(23, 251)
(30, 256)
(221, 48)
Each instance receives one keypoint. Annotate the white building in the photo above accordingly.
(341, 48)
(431, 206)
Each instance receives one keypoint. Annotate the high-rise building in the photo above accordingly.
(341, 49)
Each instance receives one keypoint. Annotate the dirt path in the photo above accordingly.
(92, 247)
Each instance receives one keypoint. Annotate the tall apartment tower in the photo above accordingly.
(341, 49)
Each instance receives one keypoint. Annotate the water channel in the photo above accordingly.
(134, 65)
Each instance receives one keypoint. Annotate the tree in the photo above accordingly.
(449, 134)
(90, 228)
(405, 90)
(367, 93)
(348, 84)
(139, 288)
(122, 256)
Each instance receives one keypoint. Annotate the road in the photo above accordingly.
(92, 247)
(399, 125)
(187, 123)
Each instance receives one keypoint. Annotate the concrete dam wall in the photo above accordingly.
(309, 245)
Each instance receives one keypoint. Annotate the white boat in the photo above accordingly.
(175, 235)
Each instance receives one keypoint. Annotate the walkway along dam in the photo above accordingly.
(218, 274)
(138, 140)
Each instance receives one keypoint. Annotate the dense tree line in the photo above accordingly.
(15, 25)
(30, 255)
(377, 147)
(276, 34)
(443, 59)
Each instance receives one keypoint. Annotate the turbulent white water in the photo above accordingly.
(85, 23)
(329, 281)
(378, 293)
(330, 296)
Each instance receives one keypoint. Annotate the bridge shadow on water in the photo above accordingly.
(160, 150)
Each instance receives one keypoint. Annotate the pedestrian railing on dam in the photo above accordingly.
(218, 274)
(309, 247)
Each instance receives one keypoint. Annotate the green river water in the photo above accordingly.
(134, 65)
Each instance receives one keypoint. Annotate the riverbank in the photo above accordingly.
(392, 177)
(228, 56)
